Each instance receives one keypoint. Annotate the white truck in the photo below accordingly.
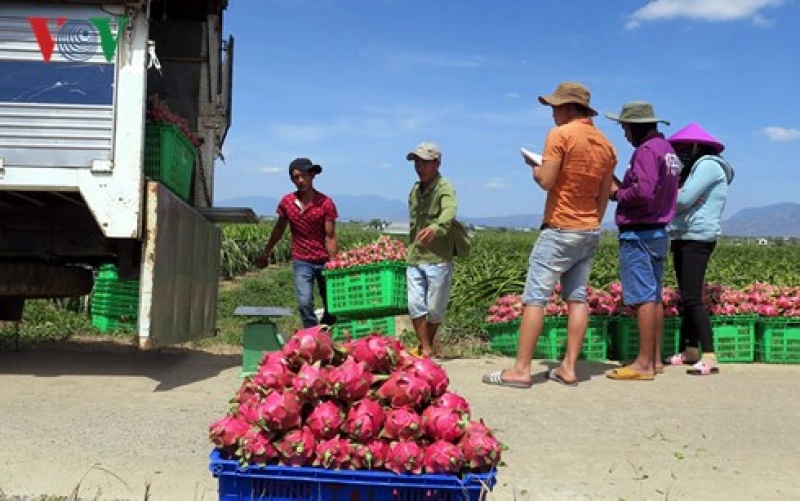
(75, 78)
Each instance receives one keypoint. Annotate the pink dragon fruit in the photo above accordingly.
(256, 447)
(249, 411)
(431, 372)
(402, 424)
(371, 455)
(364, 420)
(311, 382)
(280, 411)
(325, 420)
(225, 433)
(335, 453)
(309, 346)
(297, 447)
(443, 424)
(248, 390)
(452, 400)
(379, 353)
(443, 458)
(272, 373)
(405, 457)
(482, 451)
(350, 381)
(405, 389)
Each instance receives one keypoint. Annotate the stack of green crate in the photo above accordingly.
(366, 298)
(778, 340)
(115, 303)
(552, 343)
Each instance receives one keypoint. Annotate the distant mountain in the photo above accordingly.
(778, 220)
(516, 221)
(351, 207)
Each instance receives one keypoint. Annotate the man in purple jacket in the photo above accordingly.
(645, 206)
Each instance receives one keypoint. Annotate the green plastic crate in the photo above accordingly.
(368, 291)
(734, 338)
(169, 158)
(552, 343)
(625, 338)
(107, 323)
(363, 327)
(258, 338)
(778, 340)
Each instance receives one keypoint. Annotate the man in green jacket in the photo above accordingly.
(434, 239)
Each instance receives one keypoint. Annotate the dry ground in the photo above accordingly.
(118, 424)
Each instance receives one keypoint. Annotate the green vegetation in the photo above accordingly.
(497, 266)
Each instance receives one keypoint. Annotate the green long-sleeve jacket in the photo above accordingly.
(435, 207)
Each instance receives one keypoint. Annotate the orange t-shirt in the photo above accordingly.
(587, 156)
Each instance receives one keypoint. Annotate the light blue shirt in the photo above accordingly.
(701, 200)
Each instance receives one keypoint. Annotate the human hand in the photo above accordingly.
(262, 261)
(425, 236)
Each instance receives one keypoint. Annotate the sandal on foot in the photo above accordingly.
(628, 373)
(496, 378)
(702, 369)
(552, 375)
(678, 359)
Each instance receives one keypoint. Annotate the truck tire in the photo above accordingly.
(33, 280)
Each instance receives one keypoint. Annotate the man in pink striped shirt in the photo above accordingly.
(311, 217)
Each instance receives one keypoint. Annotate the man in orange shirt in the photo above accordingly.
(577, 170)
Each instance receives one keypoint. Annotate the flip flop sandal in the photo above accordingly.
(496, 378)
(629, 374)
(552, 375)
(702, 369)
(677, 359)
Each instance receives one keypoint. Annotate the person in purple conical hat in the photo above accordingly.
(703, 192)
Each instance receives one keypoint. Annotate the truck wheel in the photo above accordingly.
(33, 280)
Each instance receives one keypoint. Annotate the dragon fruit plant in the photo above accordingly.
(364, 404)
(383, 249)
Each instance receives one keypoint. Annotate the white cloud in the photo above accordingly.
(780, 134)
(270, 170)
(704, 10)
(496, 184)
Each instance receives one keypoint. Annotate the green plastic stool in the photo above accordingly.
(260, 336)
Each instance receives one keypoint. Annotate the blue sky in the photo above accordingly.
(356, 84)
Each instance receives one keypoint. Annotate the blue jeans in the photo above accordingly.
(560, 255)
(305, 274)
(641, 265)
(429, 290)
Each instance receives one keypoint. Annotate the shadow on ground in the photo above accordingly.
(171, 368)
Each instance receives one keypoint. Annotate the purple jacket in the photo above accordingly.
(650, 186)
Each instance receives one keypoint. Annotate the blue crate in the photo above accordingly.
(287, 483)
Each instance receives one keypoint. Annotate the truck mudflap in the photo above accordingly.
(37, 280)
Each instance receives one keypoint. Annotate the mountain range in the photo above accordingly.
(776, 220)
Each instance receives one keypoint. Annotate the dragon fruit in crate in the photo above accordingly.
(365, 404)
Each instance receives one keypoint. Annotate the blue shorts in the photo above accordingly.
(560, 255)
(429, 290)
(641, 265)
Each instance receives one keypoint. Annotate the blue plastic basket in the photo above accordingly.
(287, 483)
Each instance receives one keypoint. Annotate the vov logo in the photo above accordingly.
(77, 39)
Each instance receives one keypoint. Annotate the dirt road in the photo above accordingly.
(118, 425)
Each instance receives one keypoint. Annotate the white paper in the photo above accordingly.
(536, 158)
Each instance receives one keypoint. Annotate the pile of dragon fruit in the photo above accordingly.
(383, 249)
(362, 404)
(756, 299)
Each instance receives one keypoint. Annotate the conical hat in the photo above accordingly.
(693, 133)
